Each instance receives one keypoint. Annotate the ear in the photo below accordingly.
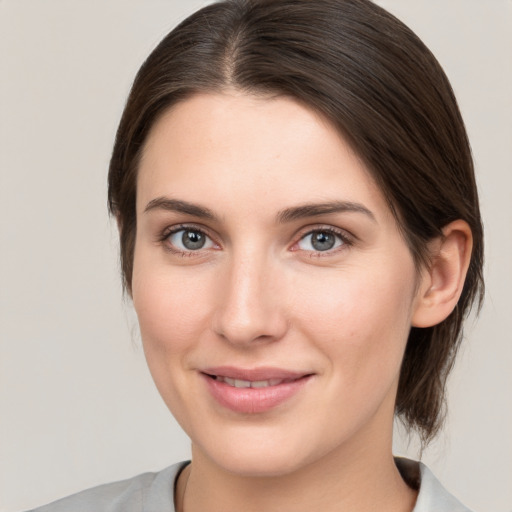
(441, 284)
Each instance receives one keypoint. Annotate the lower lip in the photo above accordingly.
(253, 400)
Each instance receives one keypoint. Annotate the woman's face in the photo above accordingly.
(273, 288)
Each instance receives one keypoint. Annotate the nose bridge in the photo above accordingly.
(250, 306)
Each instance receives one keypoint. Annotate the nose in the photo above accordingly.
(251, 302)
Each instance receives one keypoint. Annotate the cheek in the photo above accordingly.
(360, 319)
(172, 313)
(172, 307)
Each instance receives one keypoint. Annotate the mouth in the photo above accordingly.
(240, 383)
(253, 391)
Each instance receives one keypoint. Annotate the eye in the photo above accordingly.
(189, 239)
(320, 240)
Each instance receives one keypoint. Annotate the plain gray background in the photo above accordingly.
(77, 405)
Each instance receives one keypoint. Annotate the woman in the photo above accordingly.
(301, 238)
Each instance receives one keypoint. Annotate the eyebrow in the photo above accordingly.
(287, 215)
(316, 209)
(175, 205)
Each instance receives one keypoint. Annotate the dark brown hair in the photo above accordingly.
(373, 78)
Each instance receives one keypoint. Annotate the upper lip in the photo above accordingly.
(254, 374)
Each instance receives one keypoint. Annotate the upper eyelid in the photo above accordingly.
(165, 233)
(342, 233)
(169, 230)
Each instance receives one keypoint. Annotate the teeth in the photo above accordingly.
(239, 383)
(261, 384)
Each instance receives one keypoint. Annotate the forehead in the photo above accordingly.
(272, 151)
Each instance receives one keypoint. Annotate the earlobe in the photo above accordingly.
(442, 283)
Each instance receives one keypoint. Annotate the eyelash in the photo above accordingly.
(347, 240)
(168, 232)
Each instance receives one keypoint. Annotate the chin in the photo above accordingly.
(261, 452)
(259, 463)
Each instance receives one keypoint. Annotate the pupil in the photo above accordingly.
(193, 240)
(322, 241)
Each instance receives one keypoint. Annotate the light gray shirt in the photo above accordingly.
(154, 492)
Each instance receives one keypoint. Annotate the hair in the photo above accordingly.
(385, 92)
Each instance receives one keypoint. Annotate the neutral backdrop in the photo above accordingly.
(77, 405)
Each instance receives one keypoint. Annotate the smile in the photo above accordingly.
(253, 391)
(239, 383)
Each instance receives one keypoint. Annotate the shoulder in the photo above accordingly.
(432, 496)
(148, 491)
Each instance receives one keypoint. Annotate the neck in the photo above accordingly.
(353, 479)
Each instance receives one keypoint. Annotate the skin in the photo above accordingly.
(259, 294)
